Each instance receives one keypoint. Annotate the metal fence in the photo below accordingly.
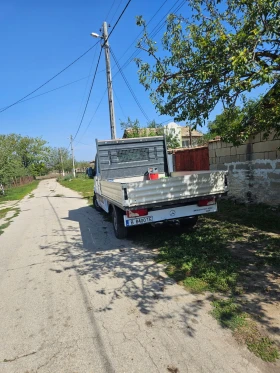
(191, 159)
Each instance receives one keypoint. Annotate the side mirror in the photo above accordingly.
(94, 172)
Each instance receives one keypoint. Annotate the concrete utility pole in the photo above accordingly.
(109, 78)
(61, 162)
(73, 160)
(109, 81)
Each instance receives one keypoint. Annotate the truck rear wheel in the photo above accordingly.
(95, 204)
(189, 222)
(118, 223)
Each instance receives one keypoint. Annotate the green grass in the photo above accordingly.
(19, 192)
(203, 259)
(3, 226)
(200, 260)
(229, 314)
(224, 254)
(81, 184)
(8, 221)
(261, 217)
(4, 212)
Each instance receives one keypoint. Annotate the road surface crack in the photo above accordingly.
(19, 357)
(146, 350)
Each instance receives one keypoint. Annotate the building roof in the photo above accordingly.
(186, 132)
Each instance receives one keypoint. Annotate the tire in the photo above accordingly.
(95, 204)
(189, 222)
(118, 223)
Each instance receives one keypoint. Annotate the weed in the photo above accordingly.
(229, 314)
(3, 213)
(2, 227)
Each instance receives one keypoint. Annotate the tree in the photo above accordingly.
(54, 160)
(217, 55)
(133, 129)
(10, 163)
(21, 156)
(133, 126)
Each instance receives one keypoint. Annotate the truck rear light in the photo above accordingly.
(206, 202)
(136, 213)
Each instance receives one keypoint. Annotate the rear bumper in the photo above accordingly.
(169, 214)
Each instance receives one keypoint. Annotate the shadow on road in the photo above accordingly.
(129, 271)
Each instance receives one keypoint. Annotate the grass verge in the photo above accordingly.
(19, 192)
(81, 184)
(230, 315)
(236, 253)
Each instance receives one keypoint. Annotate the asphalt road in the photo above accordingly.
(74, 299)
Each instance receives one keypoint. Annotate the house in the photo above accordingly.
(181, 133)
(190, 139)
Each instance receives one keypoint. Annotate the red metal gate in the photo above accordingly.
(192, 159)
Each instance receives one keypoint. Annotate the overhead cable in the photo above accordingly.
(129, 86)
(110, 9)
(97, 67)
(81, 121)
(94, 113)
(117, 21)
(49, 80)
(154, 31)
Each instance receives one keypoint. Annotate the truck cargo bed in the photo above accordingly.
(177, 188)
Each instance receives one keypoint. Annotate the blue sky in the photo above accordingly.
(40, 38)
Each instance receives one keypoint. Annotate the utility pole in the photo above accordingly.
(109, 82)
(190, 131)
(73, 160)
(61, 162)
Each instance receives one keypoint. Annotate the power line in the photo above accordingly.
(154, 31)
(110, 9)
(42, 85)
(129, 87)
(94, 113)
(55, 89)
(120, 105)
(52, 90)
(81, 121)
(79, 142)
(85, 89)
(120, 16)
(123, 54)
(116, 10)
(166, 121)
(117, 21)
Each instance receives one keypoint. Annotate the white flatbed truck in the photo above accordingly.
(121, 187)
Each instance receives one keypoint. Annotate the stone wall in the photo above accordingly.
(254, 168)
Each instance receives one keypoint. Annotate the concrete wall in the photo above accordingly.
(254, 168)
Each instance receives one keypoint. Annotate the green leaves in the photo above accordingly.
(21, 156)
(216, 55)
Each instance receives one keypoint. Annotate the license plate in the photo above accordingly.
(137, 221)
